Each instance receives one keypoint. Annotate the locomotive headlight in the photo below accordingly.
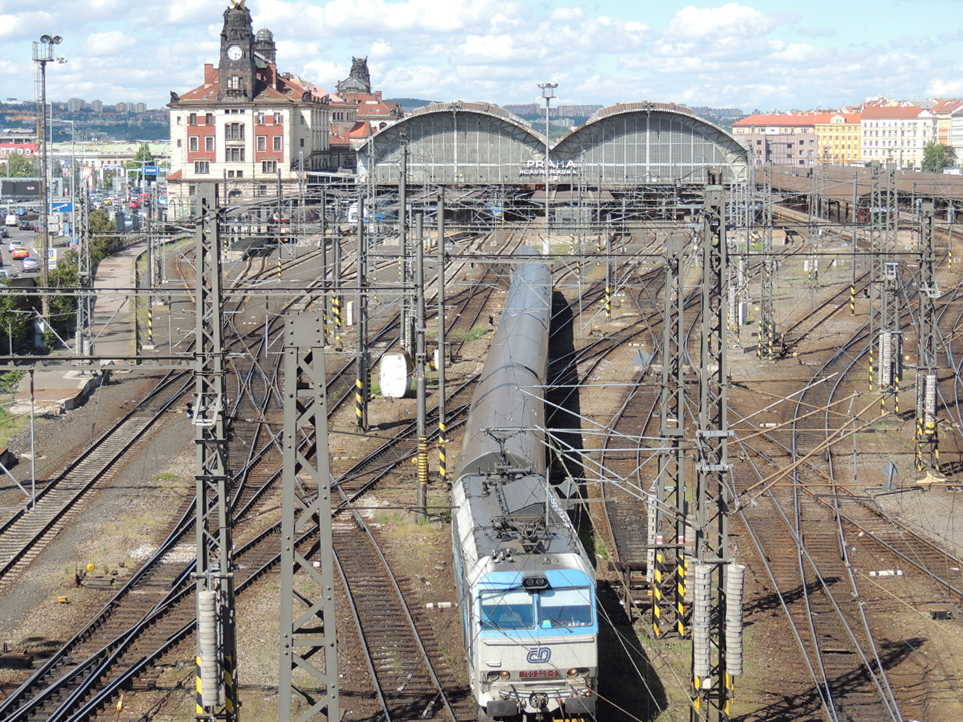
(576, 671)
(492, 676)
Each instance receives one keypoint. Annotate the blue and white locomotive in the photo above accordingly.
(526, 586)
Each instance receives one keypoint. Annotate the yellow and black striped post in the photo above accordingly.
(442, 450)
(359, 405)
(681, 571)
(608, 302)
(423, 478)
(852, 299)
(336, 313)
(198, 688)
(279, 263)
(896, 394)
(150, 324)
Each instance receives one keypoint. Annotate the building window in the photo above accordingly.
(209, 144)
(234, 131)
(178, 140)
(192, 119)
(260, 118)
(277, 142)
(209, 119)
(192, 144)
(235, 174)
(191, 190)
(234, 82)
(303, 121)
(269, 166)
(240, 174)
(277, 119)
(262, 190)
(202, 167)
(302, 142)
(234, 155)
(262, 143)
(178, 120)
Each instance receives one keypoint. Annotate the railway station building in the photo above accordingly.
(260, 132)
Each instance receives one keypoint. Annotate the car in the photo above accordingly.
(6, 275)
(24, 225)
(4, 233)
(30, 264)
(21, 252)
(14, 245)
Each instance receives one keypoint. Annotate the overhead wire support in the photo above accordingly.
(712, 668)
(767, 319)
(216, 636)
(666, 557)
(927, 441)
(307, 631)
(361, 324)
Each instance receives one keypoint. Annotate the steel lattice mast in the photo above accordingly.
(716, 619)
(85, 279)
(767, 316)
(927, 441)
(666, 510)
(309, 654)
(216, 629)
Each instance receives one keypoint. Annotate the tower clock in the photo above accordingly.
(236, 73)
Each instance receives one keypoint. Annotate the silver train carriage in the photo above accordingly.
(526, 586)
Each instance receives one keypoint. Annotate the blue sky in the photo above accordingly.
(752, 54)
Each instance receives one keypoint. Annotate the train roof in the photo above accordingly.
(508, 511)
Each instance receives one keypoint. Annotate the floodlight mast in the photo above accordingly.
(43, 54)
(548, 92)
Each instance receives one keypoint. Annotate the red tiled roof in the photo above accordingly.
(895, 112)
(175, 176)
(796, 120)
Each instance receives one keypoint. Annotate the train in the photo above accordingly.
(526, 585)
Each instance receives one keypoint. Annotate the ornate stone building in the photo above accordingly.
(247, 125)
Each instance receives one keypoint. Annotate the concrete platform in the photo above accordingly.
(57, 390)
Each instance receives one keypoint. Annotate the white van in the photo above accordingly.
(11, 220)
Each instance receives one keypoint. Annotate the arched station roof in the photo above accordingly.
(454, 143)
(626, 144)
(644, 143)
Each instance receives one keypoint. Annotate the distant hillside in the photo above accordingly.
(409, 104)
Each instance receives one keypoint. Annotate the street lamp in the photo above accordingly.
(43, 54)
(548, 92)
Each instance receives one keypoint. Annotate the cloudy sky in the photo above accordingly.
(752, 54)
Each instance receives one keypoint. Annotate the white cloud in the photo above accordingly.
(110, 43)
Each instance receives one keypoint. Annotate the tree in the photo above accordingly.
(143, 157)
(21, 166)
(937, 156)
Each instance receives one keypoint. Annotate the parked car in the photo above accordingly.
(30, 264)
(14, 245)
(25, 225)
(21, 252)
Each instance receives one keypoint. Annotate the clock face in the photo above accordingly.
(234, 52)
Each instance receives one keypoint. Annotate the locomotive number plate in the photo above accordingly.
(538, 673)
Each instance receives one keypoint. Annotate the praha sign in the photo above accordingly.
(555, 168)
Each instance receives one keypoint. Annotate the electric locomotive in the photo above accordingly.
(526, 586)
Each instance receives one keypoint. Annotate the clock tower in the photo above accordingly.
(236, 72)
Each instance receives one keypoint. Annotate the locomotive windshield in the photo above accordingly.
(516, 608)
(565, 608)
(512, 609)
